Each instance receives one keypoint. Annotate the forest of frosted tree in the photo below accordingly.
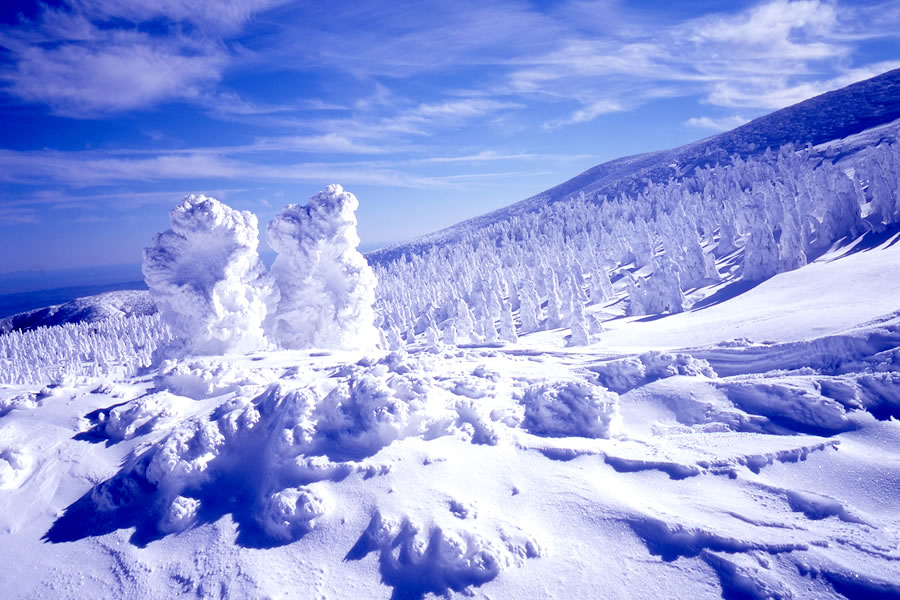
(564, 266)
(539, 270)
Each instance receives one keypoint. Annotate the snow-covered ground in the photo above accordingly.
(748, 448)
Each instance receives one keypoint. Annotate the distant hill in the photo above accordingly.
(827, 117)
(121, 303)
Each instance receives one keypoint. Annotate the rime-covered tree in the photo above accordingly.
(206, 277)
(327, 287)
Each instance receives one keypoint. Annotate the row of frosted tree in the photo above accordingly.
(114, 348)
(540, 270)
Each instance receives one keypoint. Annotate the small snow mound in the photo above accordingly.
(796, 404)
(571, 408)
(24, 400)
(289, 514)
(371, 409)
(15, 464)
(206, 277)
(181, 514)
(327, 287)
(628, 373)
(140, 416)
(416, 560)
(199, 379)
(817, 507)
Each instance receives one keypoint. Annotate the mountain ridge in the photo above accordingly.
(829, 116)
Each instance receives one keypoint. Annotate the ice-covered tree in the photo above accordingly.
(206, 277)
(327, 287)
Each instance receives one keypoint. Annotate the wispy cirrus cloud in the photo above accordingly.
(92, 57)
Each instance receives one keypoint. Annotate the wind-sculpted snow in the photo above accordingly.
(531, 433)
(206, 277)
(450, 470)
(327, 287)
(571, 408)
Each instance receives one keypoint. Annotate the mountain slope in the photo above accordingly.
(122, 303)
(830, 116)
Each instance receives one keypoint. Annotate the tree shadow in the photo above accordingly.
(872, 240)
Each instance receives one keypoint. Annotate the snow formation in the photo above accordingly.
(207, 279)
(327, 287)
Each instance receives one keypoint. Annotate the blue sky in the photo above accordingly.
(430, 112)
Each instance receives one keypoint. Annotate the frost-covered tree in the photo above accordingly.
(507, 325)
(206, 277)
(579, 326)
(327, 287)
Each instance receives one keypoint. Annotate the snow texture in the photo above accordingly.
(571, 408)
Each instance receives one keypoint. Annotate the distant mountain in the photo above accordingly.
(121, 303)
(827, 117)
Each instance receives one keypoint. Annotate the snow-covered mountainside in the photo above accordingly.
(834, 115)
(123, 303)
(687, 390)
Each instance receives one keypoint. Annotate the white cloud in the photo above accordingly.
(67, 61)
(586, 113)
(128, 72)
(717, 124)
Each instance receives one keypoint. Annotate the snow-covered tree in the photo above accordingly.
(206, 277)
(327, 287)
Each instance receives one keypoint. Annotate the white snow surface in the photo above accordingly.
(327, 287)
(748, 448)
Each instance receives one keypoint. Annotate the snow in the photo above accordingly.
(745, 447)
(526, 470)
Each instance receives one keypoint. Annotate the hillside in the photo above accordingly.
(830, 116)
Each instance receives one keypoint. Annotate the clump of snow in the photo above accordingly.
(139, 416)
(292, 512)
(200, 379)
(571, 408)
(206, 277)
(24, 400)
(181, 514)
(15, 463)
(327, 287)
(628, 373)
(421, 560)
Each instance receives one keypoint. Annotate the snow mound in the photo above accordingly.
(417, 560)
(15, 464)
(625, 374)
(292, 512)
(327, 287)
(23, 400)
(138, 417)
(207, 279)
(794, 403)
(199, 379)
(571, 408)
